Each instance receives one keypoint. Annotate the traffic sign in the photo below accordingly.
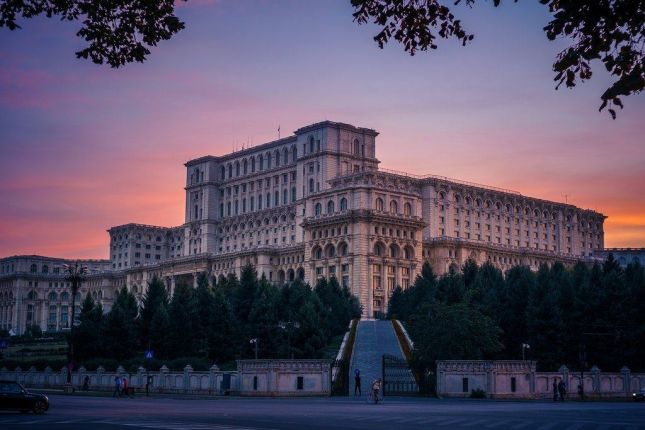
(149, 354)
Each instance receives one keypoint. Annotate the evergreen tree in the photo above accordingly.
(204, 302)
(183, 317)
(120, 338)
(223, 338)
(154, 299)
(88, 333)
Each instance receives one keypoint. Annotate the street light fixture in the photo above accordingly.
(255, 341)
(288, 325)
(74, 274)
(525, 346)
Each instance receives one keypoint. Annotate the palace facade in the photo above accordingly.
(316, 204)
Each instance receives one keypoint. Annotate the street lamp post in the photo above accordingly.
(74, 274)
(255, 341)
(288, 325)
(525, 346)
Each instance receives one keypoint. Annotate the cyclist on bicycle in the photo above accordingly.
(376, 389)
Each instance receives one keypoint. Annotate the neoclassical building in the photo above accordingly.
(316, 204)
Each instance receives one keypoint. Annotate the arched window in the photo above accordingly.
(378, 250)
(285, 156)
(268, 160)
(330, 251)
(311, 185)
(317, 209)
(276, 155)
(293, 194)
(407, 209)
(394, 251)
(230, 170)
(237, 168)
(285, 196)
(245, 166)
(45, 268)
(357, 147)
(408, 253)
(294, 154)
(33, 268)
(317, 252)
(253, 165)
(276, 198)
(330, 207)
(268, 200)
(342, 249)
(394, 207)
(343, 204)
(379, 204)
(223, 173)
(32, 295)
(311, 144)
(261, 162)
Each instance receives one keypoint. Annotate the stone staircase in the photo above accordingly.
(373, 339)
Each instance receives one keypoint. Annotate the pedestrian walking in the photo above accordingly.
(357, 382)
(562, 390)
(555, 389)
(86, 383)
(126, 387)
(117, 387)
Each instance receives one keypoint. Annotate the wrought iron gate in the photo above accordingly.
(398, 379)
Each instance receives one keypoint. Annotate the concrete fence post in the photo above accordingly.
(212, 383)
(627, 380)
(163, 372)
(595, 372)
(187, 371)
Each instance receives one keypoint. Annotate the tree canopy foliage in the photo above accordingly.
(216, 322)
(611, 31)
(482, 314)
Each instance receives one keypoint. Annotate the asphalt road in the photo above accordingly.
(97, 413)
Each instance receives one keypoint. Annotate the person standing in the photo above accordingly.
(555, 389)
(562, 390)
(126, 388)
(117, 387)
(86, 383)
(357, 382)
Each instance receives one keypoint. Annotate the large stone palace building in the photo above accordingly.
(315, 204)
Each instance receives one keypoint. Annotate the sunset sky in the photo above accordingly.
(85, 147)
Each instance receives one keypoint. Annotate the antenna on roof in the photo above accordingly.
(566, 198)
(278, 131)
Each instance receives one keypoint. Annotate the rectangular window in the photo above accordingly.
(513, 384)
(300, 383)
(255, 383)
(464, 385)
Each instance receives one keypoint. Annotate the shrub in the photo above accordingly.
(478, 394)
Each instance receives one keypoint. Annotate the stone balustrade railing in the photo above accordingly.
(519, 379)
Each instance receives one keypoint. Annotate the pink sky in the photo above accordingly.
(84, 147)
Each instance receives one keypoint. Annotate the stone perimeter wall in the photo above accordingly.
(458, 378)
(273, 378)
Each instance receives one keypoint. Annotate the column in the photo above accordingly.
(173, 283)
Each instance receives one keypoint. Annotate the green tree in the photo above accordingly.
(120, 338)
(455, 332)
(204, 302)
(183, 316)
(223, 336)
(153, 301)
(87, 335)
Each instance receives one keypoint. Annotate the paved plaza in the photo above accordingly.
(76, 412)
